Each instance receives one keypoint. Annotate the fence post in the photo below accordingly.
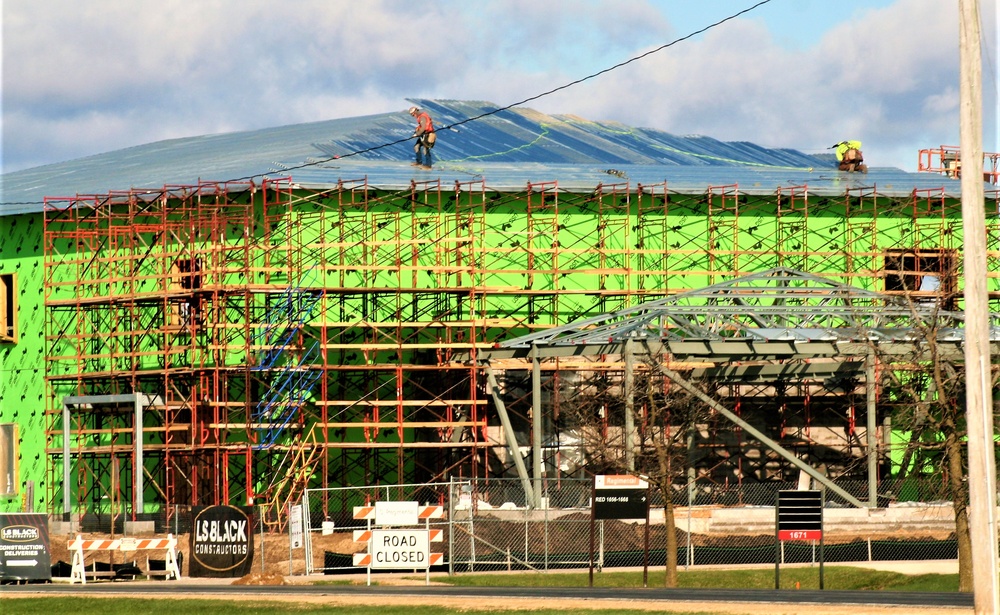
(451, 525)
(600, 548)
(688, 561)
(472, 528)
(307, 532)
(545, 518)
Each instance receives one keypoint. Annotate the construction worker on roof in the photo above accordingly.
(425, 138)
(849, 157)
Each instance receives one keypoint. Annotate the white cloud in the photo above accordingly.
(88, 77)
(883, 77)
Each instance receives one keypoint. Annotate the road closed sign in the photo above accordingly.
(399, 549)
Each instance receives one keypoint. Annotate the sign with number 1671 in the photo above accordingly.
(800, 534)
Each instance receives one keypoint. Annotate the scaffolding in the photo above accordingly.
(287, 338)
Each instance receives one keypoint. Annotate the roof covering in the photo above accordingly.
(774, 313)
(506, 148)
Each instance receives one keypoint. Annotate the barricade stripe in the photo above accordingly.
(99, 545)
(364, 512)
(116, 545)
(362, 559)
(153, 543)
(436, 558)
(362, 535)
(430, 512)
(436, 536)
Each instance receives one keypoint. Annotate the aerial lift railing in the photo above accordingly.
(947, 159)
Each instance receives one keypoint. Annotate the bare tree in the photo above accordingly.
(927, 394)
(671, 416)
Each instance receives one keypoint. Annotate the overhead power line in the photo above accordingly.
(498, 109)
(535, 97)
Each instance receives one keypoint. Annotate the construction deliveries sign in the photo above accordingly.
(221, 541)
(24, 547)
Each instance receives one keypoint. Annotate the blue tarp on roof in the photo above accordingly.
(508, 149)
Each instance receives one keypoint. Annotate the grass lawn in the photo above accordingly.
(142, 606)
(834, 577)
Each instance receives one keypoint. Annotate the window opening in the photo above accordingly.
(8, 307)
(927, 276)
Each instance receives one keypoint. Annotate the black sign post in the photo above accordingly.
(798, 516)
(620, 497)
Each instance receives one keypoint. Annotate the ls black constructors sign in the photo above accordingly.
(620, 496)
(24, 547)
(800, 515)
(221, 541)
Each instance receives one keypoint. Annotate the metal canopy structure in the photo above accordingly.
(777, 313)
(755, 328)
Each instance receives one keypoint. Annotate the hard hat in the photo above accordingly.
(412, 110)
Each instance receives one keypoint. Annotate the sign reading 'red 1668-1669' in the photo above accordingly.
(221, 541)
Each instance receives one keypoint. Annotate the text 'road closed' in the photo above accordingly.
(399, 549)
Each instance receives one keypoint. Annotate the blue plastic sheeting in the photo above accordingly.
(507, 149)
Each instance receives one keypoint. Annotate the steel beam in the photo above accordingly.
(512, 447)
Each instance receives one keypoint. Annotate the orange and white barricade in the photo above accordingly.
(364, 513)
(80, 547)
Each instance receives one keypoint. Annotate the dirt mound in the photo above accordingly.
(262, 578)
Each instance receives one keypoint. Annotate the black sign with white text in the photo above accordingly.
(24, 547)
(620, 503)
(221, 541)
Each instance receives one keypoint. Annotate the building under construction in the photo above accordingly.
(320, 321)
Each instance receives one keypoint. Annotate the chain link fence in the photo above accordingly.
(330, 523)
(488, 527)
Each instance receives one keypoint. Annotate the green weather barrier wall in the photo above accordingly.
(22, 364)
(418, 270)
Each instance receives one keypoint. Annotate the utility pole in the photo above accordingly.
(979, 402)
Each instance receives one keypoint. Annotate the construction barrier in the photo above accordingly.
(80, 548)
(398, 548)
(412, 543)
(423, 512)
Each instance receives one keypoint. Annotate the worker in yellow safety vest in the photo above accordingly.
(849, 157)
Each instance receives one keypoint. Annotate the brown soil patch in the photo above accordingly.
(262, 578)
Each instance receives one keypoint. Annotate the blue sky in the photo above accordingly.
(82, 78)
(795, 24)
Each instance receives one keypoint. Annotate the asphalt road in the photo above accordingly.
(802, 597)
